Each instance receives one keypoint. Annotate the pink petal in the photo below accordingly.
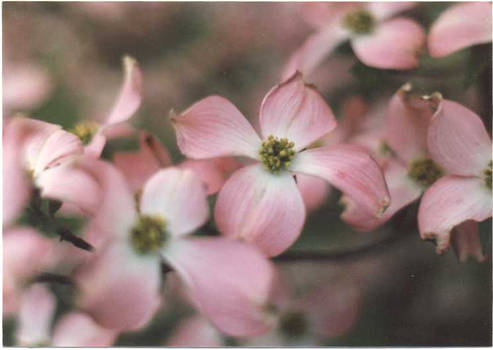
(214, 127)
(116, 212)
(59, 147)
(313, 190)
(402, 192)
(229, 281)
(38, 132)
(119, 288)
(320, 14)
(458, 140)
(466, 243)
(384, 10)
(96, 146)
(42, 144)
(195, 331)
(130, 94)
(449, 202)
(350, 169)
(139, 166)
(71, 184)
(35, 316)
(179, 197)
(261, 208)
(313, 51)
(459, 26)
(76, 329)
(209, 171)
(408, 118)
(25, 252)
(295, 110)
(393, 45)
(16, 185)
(119, 130)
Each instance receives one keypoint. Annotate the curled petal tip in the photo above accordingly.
(442, 243)
(406, 88)
(384, 205)
(172, 115)
(433, 100)
(128, 62)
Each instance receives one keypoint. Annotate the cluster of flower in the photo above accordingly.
(141, 209)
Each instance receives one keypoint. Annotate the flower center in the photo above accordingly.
(293, 324)
(385, 149)
(148, 234)
(487, 174)
(85, 130)
(424, 171)
(359, 22)
(276, 154)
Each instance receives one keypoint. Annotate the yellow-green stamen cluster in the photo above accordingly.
(424, 171)
(276, 154)
(359, 22)
(85, 131)
(487, 173)
(293, 324)
(385, 149)
(148, 234)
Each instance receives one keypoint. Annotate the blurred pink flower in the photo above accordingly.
(77, 329)
(35, 316)
(460, 144)
(25, 253)
(94, 134)
(377, 40)
(326, 312)
(196, 331)
(460, 26)
(25, 86)
(307, 320)
(72, 329)
(139, 166)
(228, 281)
(261, 203)
(31, 150)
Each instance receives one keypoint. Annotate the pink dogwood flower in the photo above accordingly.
(228, 280)
(460, 26)
(261, 203)
(408, 167)
(31, 150)
(93, 134)
(138, 166)
(72, 329)
(377, 39)
(459, 143)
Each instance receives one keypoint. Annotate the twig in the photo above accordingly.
(353, 253)
(66, 235)
(46, 277)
